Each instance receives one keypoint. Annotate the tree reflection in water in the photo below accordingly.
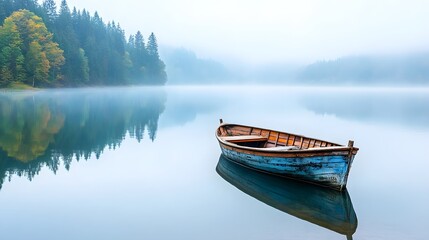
(49, 127)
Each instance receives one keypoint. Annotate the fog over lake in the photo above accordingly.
(137, 163)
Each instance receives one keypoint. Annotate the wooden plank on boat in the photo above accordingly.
(244, 138)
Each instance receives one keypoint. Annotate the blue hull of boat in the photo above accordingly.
(330, 171)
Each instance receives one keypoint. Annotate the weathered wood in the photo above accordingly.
(250, 132)
(277, 139)
(287, 140)
(222, 131)
(321, 162)
(302, 142)
(244, 138)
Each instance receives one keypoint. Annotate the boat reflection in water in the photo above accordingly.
(322, 206)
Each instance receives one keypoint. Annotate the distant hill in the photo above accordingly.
(184, 67)
(394, 69)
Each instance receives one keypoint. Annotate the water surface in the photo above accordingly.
(140, 163)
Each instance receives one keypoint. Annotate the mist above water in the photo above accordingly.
(108, 163)
(184, 67)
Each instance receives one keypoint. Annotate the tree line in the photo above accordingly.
(43, 46)
(411, 68)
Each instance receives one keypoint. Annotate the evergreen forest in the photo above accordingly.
(42, 45)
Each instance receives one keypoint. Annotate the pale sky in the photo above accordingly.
(274, 31)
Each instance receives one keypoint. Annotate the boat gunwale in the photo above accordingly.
(338, 148)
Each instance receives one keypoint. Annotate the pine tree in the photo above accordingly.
(138, 56)
(139, 42)
(50, 9)
(30, 5)
(156, 66)
(152, 46)
(131, 42)
(66, 37)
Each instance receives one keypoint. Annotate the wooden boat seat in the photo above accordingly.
(282, 148)
(244, 138)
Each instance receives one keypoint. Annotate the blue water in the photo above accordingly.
(140, 163)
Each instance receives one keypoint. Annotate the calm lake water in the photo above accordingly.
(143, 163)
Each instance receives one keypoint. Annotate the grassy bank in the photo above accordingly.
(19, 86)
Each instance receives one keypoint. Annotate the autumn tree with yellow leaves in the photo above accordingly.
(28, 53)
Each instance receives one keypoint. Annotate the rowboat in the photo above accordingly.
(288, 155)
(323, 207)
